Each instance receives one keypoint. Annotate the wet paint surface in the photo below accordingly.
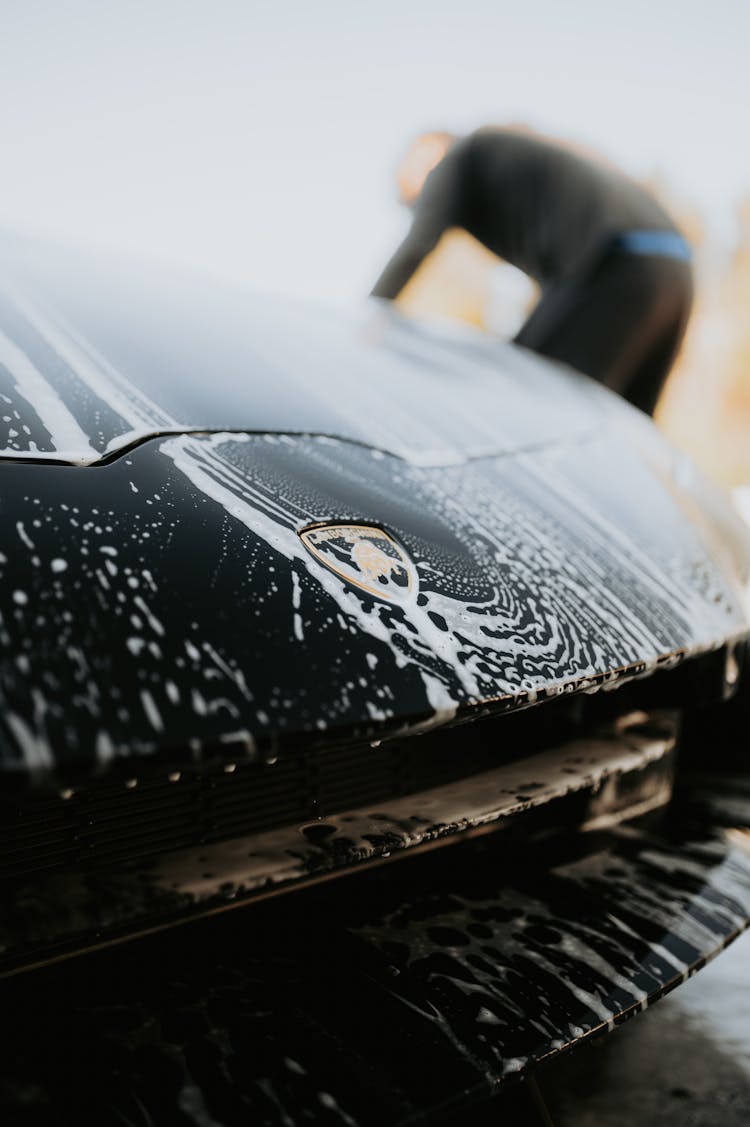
(161, 605)
(166, 602)
(91, 358)
(422, 987)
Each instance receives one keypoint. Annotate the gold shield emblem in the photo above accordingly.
(365, 556)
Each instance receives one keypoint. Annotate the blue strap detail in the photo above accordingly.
(668, 244)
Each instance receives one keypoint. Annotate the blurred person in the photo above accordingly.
(612, 268)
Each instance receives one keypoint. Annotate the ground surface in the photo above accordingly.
(685, 1063)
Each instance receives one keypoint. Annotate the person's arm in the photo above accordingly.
(404, 263)
(437, 208)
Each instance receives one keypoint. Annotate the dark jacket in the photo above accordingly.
(538, 205)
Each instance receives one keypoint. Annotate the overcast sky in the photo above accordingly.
(257, 140)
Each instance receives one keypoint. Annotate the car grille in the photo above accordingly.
(107, 823)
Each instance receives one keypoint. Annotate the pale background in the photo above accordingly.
(256, 140)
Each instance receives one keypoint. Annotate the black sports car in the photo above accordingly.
(289, 594)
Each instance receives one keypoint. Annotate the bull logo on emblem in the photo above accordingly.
(365, 556)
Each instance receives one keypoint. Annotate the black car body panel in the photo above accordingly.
(390, 998)
(554, 540)
(288, 594)
(142, 592)
(95, 358)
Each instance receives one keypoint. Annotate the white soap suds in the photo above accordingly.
(65, 433)
(152, 712)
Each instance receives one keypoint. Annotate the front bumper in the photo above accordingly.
(79, 870)
(393, 994)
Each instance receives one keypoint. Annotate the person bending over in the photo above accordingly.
(613, 270)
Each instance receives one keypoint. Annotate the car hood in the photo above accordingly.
(93, 359)
(192, 589)
(166, 604)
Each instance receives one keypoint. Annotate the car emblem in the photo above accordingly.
(365, 556)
